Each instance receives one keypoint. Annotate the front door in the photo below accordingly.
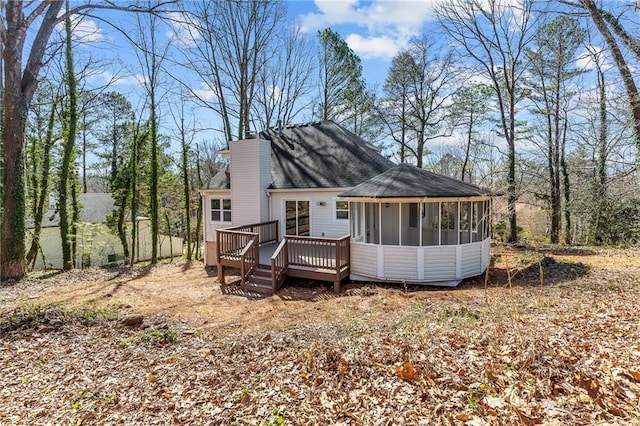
(297, 218)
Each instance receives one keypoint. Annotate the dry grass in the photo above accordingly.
(566, 353)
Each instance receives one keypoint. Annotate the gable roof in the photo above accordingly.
(96, 206)
(321, 155)
(407, 181)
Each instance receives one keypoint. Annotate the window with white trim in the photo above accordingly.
(342, 210)
(221, 210)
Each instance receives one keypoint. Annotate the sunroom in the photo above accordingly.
(411, 225)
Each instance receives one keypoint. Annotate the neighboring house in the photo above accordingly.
(316, 201)
(96, 245)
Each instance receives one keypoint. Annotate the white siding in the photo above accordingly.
(322, 215)
(471, 259)
(364, 259)
(401, 263)
(442, 265)
(250, 176)
(97, 243)
(209, 226)
(439, 263)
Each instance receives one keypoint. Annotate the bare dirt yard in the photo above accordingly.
(169, 345)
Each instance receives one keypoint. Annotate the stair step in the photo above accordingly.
(257, 287)
(262, 271)
(260, 279)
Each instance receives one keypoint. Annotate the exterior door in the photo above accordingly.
(297, 218)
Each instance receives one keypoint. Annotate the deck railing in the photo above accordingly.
(279, 265)
(249, 259)
(267, 231)
(230, 243)
(318, 253)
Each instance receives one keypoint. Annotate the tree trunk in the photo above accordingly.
(621, 64)
(187, 191)
(71, 120)
(43, 185)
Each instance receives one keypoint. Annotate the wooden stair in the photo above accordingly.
(259, 280)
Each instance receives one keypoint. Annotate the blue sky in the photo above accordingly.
(375, 30)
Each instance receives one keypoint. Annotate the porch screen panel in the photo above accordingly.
(356, 221)
(476, 221)
(410, 224)
(465, 222)
(449, 223)
(372, 223)
(390, 224)
(430, 224)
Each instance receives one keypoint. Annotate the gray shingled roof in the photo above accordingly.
(321, 155)
(316, 155)
(95, 208)
(407, 181)
(220, 180)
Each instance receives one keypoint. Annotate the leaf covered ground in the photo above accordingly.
(564, 353)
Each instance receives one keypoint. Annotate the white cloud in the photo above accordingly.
(87, 31)
(386, 25)
(378, 15)
(375, 47)
(183, 30)
(83, 30)
(205, 92)
(587, 58)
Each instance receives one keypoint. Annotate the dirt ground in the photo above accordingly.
(191, 293)
(551, 336)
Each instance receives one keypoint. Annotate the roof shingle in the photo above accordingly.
(407, 181)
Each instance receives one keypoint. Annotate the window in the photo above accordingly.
(221, 210)
(297, 219)
(342, 210)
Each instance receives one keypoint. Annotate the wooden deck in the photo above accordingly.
(265, 262)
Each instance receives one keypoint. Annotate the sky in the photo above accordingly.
(375, 30)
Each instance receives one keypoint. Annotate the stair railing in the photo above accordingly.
(279, 265)
(249, 259)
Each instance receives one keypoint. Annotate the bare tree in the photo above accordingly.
(231, 42)
(609, 27)
(151, 56)
(494, 34)
(20, 80)
(285, 81)
(418, 88)
(551, 58)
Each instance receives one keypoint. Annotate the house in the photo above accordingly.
(316, 201)
(96, 245)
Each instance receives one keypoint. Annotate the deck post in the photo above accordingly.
(336, 286)
(221, 273)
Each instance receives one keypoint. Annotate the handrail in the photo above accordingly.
(230, 243)
(249, 257)
(267, 231)
(279, 265)
(320, 253)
